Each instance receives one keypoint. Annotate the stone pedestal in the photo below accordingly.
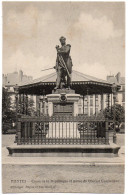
(63, 101)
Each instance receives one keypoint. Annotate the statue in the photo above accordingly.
(63, 65)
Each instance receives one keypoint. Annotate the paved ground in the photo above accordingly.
(63, 178)
(89, 175)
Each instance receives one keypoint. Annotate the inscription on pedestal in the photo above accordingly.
(63, 109)
(67, 91)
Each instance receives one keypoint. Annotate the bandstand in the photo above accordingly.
(62, 131)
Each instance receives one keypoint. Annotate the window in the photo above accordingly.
(123, 87)
(107, 97)
(91, 111)
(91, 102)
(96, 96)
(123, 104)
(79, 110)
(123, 97)
(46, 110)
(117, 98)
(97, 103)
(86, 99)
(97, 110)
(86, 110)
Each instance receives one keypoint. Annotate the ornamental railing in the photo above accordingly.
(62, 130)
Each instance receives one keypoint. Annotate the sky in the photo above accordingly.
(95, 31)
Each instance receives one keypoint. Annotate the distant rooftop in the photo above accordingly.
(14, 78)
(116, 79)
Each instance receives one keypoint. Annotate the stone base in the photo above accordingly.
(64, 150)
(68, 98)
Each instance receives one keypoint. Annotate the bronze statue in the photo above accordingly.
(63, 65)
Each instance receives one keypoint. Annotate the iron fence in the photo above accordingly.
(62, 130)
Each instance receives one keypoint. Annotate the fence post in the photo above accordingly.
(106, 132)
(16, 90)
(33, 129)
(19, 132)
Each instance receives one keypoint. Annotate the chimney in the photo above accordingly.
(118, 77)
(20, 75)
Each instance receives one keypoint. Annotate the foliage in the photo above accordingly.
(30, 106)
(119, 113)
(8, 115)
(9, 110)
(6, 105)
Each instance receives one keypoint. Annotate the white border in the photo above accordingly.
(126, 75)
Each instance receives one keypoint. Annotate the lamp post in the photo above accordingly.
(114, 91)
(42, 100)
(87, 102)
(16, 91)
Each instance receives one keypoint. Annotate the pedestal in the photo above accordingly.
(63, 102)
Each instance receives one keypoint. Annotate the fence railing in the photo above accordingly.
(62, 130)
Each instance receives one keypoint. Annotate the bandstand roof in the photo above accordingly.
(82, 84)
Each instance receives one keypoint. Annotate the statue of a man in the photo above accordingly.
(63, 64)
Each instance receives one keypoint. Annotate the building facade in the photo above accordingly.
(10, 80)
(119, 81)
(94, 103)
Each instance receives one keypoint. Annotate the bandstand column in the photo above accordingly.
(108, 100)
(43, 102)
(19, 104)
(23, 104)
(107, 132)
(83, 103)
(39, 107)
(16, 99)
(25, 130)
(26, 103)
(111, 103)
(87, 103)
(18, 124)
(95, 105)
(43, 105)
(102, 102)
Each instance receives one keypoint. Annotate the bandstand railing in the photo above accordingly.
(62, 130)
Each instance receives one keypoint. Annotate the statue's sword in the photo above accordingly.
(62, 62)
(47, 69)
(64, 65)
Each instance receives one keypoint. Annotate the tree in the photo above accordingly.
(6, 104)
(30, 106)
(119, 113)
(7, 112)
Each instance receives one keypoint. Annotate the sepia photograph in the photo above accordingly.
(63, 97)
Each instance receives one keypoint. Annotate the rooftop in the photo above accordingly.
(82, 84)
(76, 77)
